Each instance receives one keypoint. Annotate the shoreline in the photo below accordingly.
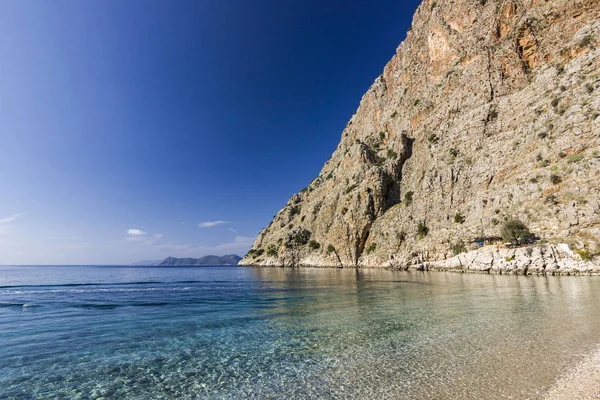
(429, 269)
(541, 260)
(582, 382)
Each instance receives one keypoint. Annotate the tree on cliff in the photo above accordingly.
(515, 231)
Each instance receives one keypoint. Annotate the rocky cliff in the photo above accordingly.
(489, 111)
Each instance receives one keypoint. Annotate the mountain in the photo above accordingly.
(486, 118)
(230, 259)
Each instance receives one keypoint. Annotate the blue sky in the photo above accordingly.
(141, 129)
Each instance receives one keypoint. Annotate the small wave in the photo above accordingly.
(98, 306)
(6, 305)
(17, 305)
(58, 291)
(105, 284)
(149, 305)
(113, 306)
(82, 284)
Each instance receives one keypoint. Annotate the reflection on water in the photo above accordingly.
(421, 335)
(299, 333)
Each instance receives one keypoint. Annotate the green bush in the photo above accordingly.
(313, 244)
(433, 139)
(586, 41)
(459, 218)
(391, 154)
(255, 253)
(422, 230)
(555, 179)
(372, 248)
(458, 247)
(272, 250)
(586, 255)
(575, 158)
(330, 248)
(515, 231)
(301, 237)
(408, 198)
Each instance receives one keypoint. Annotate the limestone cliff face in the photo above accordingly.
(489, 110)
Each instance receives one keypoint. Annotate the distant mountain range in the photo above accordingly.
(230, 259)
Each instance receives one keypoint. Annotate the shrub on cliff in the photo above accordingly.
(372, 248)
(458, 247)
(272, 250)
(301, 237)
(255, 253)
(422, 230)
(586, 254)
(408, 198)
(555, 179)
(515, 231)
(459, 218)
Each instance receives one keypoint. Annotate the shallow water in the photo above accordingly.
(234, 332)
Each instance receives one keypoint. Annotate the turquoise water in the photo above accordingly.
(234, 333)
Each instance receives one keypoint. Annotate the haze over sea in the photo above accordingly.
(231, 332)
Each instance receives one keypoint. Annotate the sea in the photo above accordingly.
(119, 332)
